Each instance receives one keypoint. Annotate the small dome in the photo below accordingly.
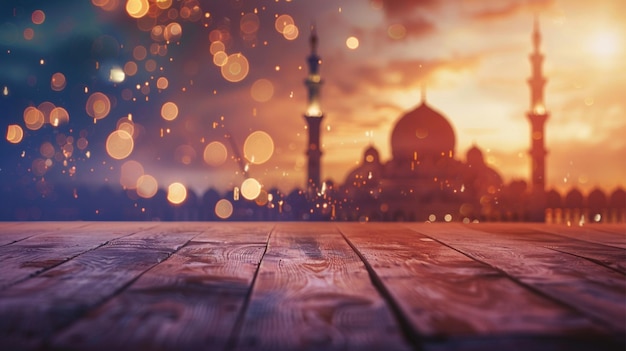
(423, 133)
(475, 156)
(371, 155)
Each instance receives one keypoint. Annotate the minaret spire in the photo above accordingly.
(313, 115)
(537, 117)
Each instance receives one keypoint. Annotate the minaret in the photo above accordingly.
(313, 116)
(537, 117)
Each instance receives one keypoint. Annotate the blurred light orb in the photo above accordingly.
(33, 118)
(250, 189)
(116, 75)
(185, 154)
(38, 17)
(29, 34)
(137, 8)
(249, 23)
(220, 59)
(216, 46)
(396, 31)
(169, 111)
(162, 83)
(258, 147)
(47, 150)
(130, 68)
(15, 133)
(59, 116)
(58, 82)
(130, 173)
(164, 4)
(98, 105)
(223, 209)
(147, 186)
(140, 52)
(262, 90)
(176, 193)
(119, 144)
(215, 154)
(352, 43)
(173, 32)
(236, 68)
(291, 32)
(283, 21)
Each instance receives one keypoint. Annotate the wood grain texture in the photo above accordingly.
(37, 253)
(35, 308)
(608, 256)
(590, 233)
(445, 294)
(587, 287)
(312, 292)
(191, 301)
(14, 232)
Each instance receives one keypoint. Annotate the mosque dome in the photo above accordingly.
(422, 133)
(475, 156)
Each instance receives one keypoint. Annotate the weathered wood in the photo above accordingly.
(10, 234)
(35, 308)
(312, 292)
(189, 302)
(43, 251)
(587, 287)
(608, 256)
(586, 233)
(446, 295)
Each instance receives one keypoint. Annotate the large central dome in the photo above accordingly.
(422, 134)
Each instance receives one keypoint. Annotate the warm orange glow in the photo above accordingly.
(162, 83)
(216, 46)
(59, 116)
(147, 186)
(215, 154)
(223, 209)
(15, 133)
(283, 21)
(262, 90)
(130, 173)
(176, 193)
(236, 68)
(38, 17)
(137, 8)
(249, 23)
(169, 111)
(291, 32)
(57, 82)
(33, 118)
(258, 147)
(98, 106)
(250, 189)
(119, 144)
(352, 43)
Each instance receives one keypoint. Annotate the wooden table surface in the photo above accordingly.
(311, 286)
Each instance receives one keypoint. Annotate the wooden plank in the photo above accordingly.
(445, 295)
(313, 292)
(608, 256)
(43, 251)
(35, 308)
(587, 287)
(10, 234)
(189, 302)
(587, 233)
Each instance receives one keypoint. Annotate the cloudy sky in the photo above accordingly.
(470, 55)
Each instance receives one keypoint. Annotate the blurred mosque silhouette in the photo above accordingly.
(426, 181)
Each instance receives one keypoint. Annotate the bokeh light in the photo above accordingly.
(119, 144)
(38, 17)
(137, 8)
(98, 105)
(282, 22)
(352, 43)
(15, 133)
(176, 193)
(185, 154)
(162, 83)
(59, 116)
(250, 189)
(33, 118)
(58, 82)
(130, 172)
(147, 186)
(258, 147)
(249, 24)
(236, 68)
(169, 111)
(215, 154)
(262, 90)
(223, 209)
(291, 32)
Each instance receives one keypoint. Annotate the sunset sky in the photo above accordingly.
(470, 55)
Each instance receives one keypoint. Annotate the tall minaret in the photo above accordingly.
(537, 117)
(313, 116)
